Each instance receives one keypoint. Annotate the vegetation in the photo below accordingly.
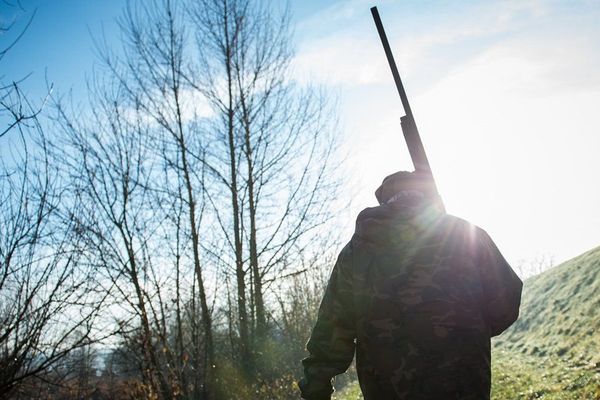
(559, 317)
(518, 376)
(553, 350)
(170, 236)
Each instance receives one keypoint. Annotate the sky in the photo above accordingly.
(506, 95)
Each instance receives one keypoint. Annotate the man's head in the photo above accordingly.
(405, 184)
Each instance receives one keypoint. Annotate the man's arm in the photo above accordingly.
(501, 286)
(331, 345)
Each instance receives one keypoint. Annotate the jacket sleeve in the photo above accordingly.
(331, 345)
(501, 287)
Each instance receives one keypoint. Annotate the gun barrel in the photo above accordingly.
(391, 61)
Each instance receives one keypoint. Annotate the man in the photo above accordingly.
(417, 294)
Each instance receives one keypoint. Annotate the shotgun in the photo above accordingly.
(407, 122)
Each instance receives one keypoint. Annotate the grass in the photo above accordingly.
(553, 351)
(559, 314)
(524, 377)
(351, 392)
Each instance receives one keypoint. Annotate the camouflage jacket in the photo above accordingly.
(417, 294)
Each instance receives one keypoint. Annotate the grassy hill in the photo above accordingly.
(560, 312)
(553, 351)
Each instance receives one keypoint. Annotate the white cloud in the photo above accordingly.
(340, 60)
(193, 106)
(347, 50)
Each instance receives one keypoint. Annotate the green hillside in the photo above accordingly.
(553, 351)
(560, 312)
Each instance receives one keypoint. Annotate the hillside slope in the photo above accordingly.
(553, 350)
(560, 312)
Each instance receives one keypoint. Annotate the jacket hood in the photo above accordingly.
(405, 181)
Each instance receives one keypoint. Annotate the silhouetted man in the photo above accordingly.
(417, 294)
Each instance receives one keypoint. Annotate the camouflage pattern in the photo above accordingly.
(416, 294)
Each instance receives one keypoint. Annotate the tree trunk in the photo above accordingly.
(238, 249)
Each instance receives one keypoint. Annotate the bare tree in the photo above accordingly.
(45, 295)
(107, 159)
(16, 108)
(535, 265)
(203, 173)
(47, 305)
(153, 77)
(144, 194)
(270, 147)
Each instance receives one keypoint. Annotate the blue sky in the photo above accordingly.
(506, 95)
(58, 42)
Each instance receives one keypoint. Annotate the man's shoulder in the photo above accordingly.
(463, 227)
(373, 223)
(373, 212)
